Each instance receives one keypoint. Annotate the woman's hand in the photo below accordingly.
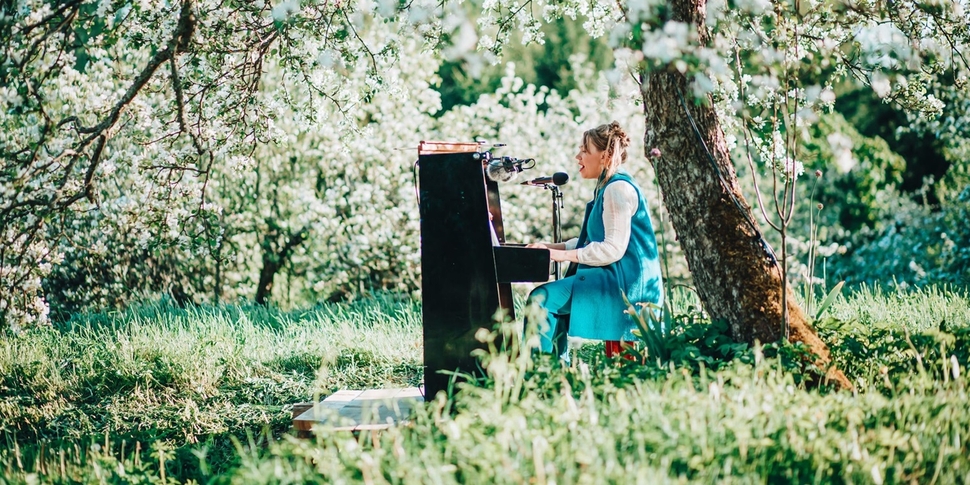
(549, 246)
(557, 251)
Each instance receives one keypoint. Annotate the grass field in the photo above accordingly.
(158, 394)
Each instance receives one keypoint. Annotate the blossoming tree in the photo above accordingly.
(162, 106)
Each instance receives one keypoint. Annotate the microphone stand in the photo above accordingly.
(556, 224)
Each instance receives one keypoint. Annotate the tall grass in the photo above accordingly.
(743, 425)
(166, 376)
(875, 334)
(915, 309)
(161, 393)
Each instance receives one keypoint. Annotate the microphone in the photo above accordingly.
(504, 169)
(558, 178)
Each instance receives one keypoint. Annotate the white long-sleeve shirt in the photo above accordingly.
(620, 203)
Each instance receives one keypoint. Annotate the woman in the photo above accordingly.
(614, 255)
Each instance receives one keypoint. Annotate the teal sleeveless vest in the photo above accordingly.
(598, 309)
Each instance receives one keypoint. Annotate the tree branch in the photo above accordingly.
(180, 38)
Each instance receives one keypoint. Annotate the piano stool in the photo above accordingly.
(617, 347)
(359, 411)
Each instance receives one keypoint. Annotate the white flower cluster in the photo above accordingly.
(184, 197)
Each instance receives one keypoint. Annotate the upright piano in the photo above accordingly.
(466, 266)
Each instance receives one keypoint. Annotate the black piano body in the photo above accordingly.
(465, 278)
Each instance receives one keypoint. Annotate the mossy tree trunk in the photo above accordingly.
(736, 277)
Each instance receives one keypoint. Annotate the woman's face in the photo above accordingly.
(592, 161)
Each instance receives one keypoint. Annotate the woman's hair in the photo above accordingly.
(610, 139)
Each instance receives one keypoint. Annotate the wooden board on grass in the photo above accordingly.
(366, 410)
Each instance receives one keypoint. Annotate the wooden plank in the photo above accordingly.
(300, 408)
(360, 410)
(432, 147)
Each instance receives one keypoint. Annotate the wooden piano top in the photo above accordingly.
(432, 147)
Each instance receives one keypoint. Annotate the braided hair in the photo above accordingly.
(612, 139)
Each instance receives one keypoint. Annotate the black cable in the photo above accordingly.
(747, 217)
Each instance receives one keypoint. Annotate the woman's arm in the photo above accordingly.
(620, 203)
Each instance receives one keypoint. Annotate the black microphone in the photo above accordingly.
(558, 178)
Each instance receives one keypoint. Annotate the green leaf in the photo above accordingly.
(829, 299)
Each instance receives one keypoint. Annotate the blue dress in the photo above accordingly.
(593, 296)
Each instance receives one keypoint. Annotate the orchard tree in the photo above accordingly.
(182, 82)
(783, 59)
(159, 101)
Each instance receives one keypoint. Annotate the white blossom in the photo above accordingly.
(841, 146)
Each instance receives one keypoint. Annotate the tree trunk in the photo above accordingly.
(267, 274)
(737, 278)
(274, 259)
